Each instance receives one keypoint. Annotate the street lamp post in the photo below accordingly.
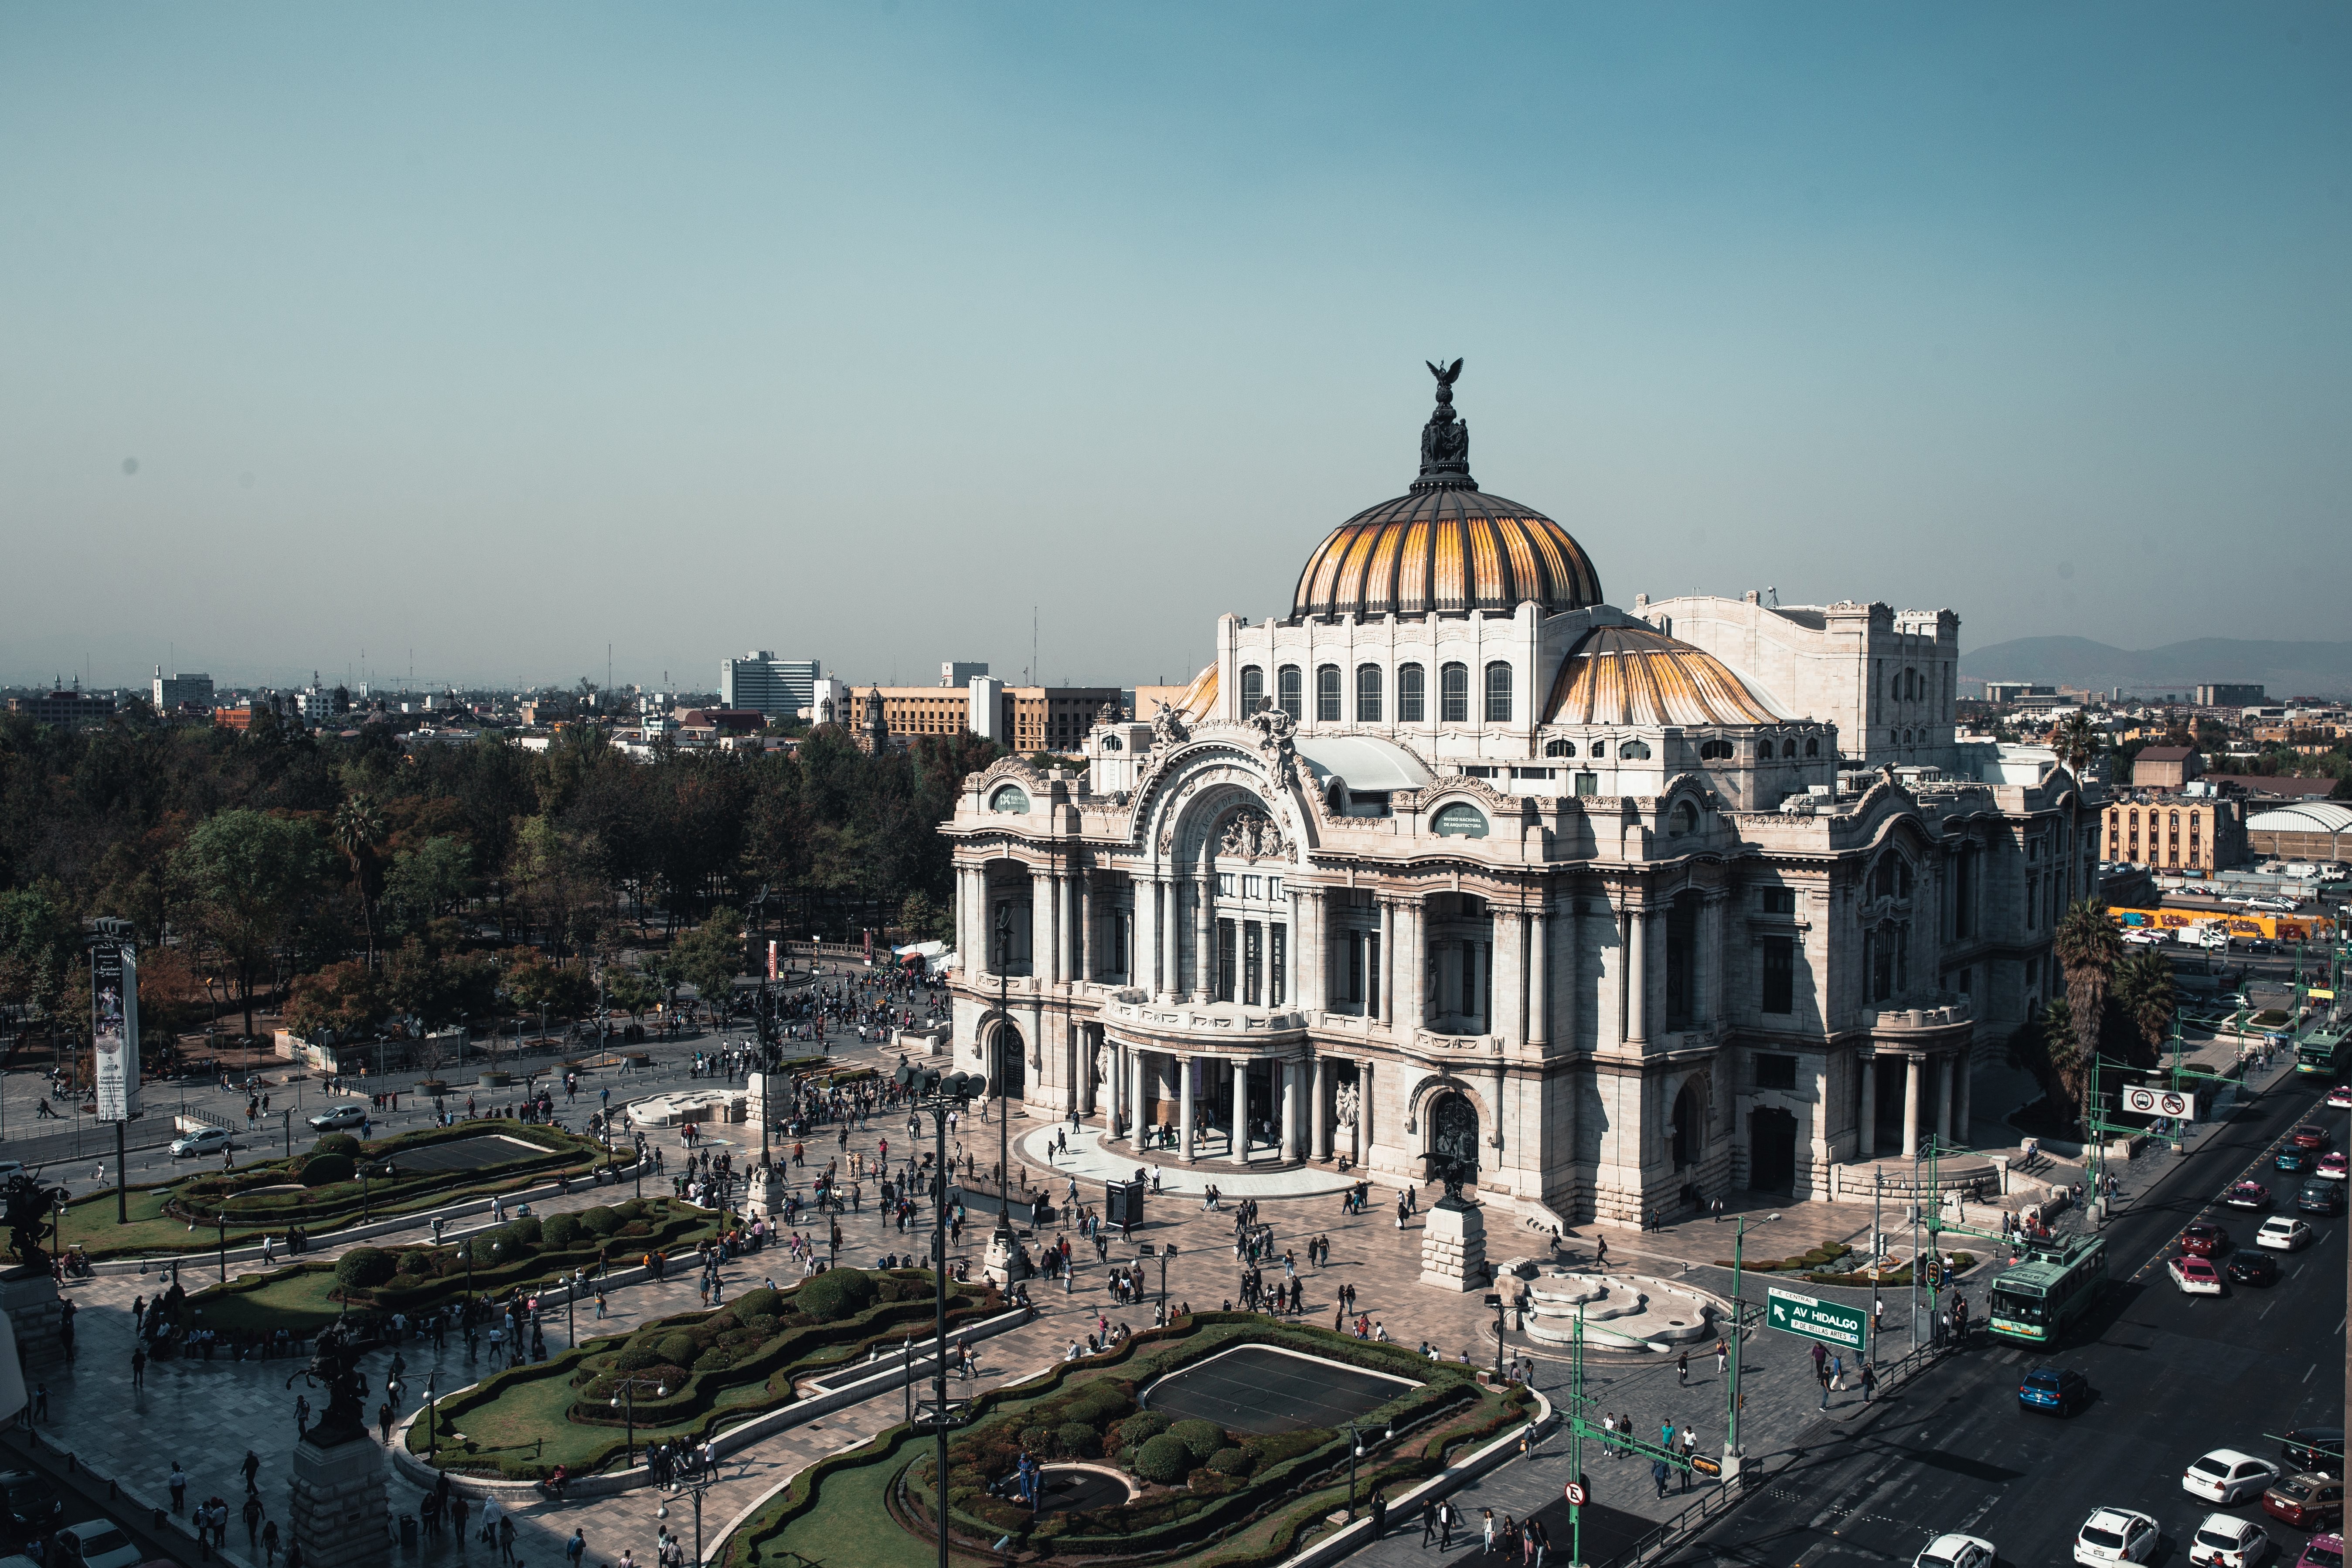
(927, 1090)
(1164, 1251)
(431, 1378)
(694, 1488)
(627, 1399)
(1738, 1326)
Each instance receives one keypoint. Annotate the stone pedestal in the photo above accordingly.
(1454, 1246)
(29, 1296)
(1002, 1265)
(337, 1506)
(764, 1194)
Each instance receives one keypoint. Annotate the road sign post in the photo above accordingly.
(1810, 1317)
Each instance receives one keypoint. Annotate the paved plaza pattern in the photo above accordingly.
(206, 1416)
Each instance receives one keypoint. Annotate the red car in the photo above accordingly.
(2204, 1239)
(2340, 1096)
(2310, 1135)
(2247, 1195)
(2307, 1502)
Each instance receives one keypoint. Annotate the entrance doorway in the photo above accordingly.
(1771, 1151)
(1685, 1128)
(1008, 1074)
(1453, 1132)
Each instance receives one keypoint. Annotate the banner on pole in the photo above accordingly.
(114, 1029)
(771, 958)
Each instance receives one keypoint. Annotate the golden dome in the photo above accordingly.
(1200, 699)
(1635, 675)
(1447, 546)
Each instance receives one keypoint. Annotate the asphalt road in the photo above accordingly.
(2176, 1377)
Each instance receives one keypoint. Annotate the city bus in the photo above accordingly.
(2324, 1055)
(2035, 1301)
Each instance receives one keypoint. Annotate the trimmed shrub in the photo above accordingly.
(1137, 1430)
(527, 1230)
(326, 1170)
(835, 1294)
(1164, 1459)
(561, 1231)
(636, 1358)
(758, 1302)
(364, 1267)
(678, 1349)
(337, 1143)
(1230, 1462)
(603, 1220)
(416, 1261)
(1077, 1441)
(1201, 1438)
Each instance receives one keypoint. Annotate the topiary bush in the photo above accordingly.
(337, 1143)
(1202, 1439)
(678, 1349)
(527, 1230)
(1077, 1441)
(835, 1294)
(603, 1220)
(1137, 1430)
(758, 1302)
(561, 1231)
(1164, 1459)
(325, 1170)
(1230, 1462)
(416, 1261)
(364, 1267)
(636, 1358)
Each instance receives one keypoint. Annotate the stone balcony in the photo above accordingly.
(1950, 1012)
(1217, 1024)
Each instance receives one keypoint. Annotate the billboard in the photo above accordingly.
(2277, 928)
(114, 1028)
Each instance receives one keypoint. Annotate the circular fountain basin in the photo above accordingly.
(1620, 1311)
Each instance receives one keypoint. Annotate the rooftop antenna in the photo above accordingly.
(1034, 677)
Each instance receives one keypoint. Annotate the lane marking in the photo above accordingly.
(2315, 1367)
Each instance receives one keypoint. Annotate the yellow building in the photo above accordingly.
(2168, 833)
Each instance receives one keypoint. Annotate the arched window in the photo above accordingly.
(1110, 743)
(1327, 693)
(1559, 748)
(1459, 820)
(1812, 747)
(1253, 689)
(1009, 797)
(1287, 694)
(1634, 751)
(1498, 693)
(1368, 694)
(1789, 747)
(1598, 749)
(1454, 694)
(1685, 819)
(1713, 750)
(1409, 694)
(1911, 684)
(1891, 878)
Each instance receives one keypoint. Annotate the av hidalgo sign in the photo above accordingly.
(1831, 1322)
(115, 1020)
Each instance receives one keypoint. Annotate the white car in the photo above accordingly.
(1956, 1551)
(2225, 1542)
(203, 1141)
(2284, 1232)
(2195, 1276)
(2229, 1478)
(96, 1543)
(341, 1116)
(2115, 1535)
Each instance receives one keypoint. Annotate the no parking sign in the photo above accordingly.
(1577, 1494)
(2159, 1102)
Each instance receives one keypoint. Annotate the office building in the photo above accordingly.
(172, 690)
(779, 687)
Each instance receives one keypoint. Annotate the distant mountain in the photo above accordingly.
(2285, 668)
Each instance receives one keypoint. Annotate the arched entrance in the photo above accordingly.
(1008, 1067)
(1685, 1129)
(1453, 1132)
(1771, 1151)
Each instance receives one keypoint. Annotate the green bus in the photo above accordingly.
(2035, 1301)
(2323, 1054)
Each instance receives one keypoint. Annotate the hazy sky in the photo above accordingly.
(500, 332)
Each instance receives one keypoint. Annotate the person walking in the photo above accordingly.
(1379, 1512)
(1486, 1530)
(177, 1482)
(1428, 1524)
(137, 1367)
(268, 1544)
(575, 1548)
(1722, 1356)
(1869, 1382)
(1446, 1526)
(1658, 1474)
(1690, 1451)
(252, 1513)
(1682, 1370)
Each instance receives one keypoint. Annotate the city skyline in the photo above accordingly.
(808, 329)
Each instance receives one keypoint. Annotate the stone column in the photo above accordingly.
(1204, 934)
(1139, 1070)
(1089, 1054)
(1183, 1107)
(1572, 974)
(1113, 1088)
(1867, 1148)
(1944, 1102)
(1960, 1063)
(1359, 1136)
(1041, 925)
(1637, 977)
(1410, 961)
(1381, 1000)
(1319, 1113)
(1240, 1067)
(1538, 979)
(1081, 916)
(1911, 1108)
(1289, 1111)
(1171, 934)
(1708, 1006)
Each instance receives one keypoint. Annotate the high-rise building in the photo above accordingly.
(170, 690)
(2229, 694)
(955, 672)
(779, 687)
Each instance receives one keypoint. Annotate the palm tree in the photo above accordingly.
(2077, 741)
(357, 829)
(2144, 995)
(2069, 1067)
(2088, 948)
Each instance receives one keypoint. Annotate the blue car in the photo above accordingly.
(2294, 1160)
(2054, 1390)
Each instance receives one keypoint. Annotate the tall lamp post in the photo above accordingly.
(627, 1400)
(926, 1089)
(694, 1488)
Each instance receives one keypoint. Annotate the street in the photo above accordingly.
(2175, 1376)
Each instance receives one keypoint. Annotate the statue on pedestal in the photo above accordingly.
(334, 1367)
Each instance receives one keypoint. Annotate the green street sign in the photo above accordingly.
(1811, 1318)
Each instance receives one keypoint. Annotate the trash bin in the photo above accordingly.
(408, 1532)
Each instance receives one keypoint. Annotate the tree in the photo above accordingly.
(36, 953)
(347, 998)
(560, 878)
(2144, 995)
(709, 956)
(2078, 741)
(247, 876)
(358, 831)
(424, 881)
(2088, 948)
(630, 991)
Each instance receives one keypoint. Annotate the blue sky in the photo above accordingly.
(502, 332)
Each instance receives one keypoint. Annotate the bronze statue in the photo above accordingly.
(334, 1367)
(1445, 440)
(29, 1204)
(1448, 1169)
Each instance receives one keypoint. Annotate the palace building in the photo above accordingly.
(1451, 858)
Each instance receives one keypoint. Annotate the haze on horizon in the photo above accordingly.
(502, 333)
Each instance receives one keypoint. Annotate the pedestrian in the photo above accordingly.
(269, 1543)
(253, 1511)
(577, 1547)
(1690, 1451)
(1608, 1433)
(1486, 1529)
(1445, 1525)
(1658, 1474)
(1682, 1369)
(251, 1468)
(1869, 1382)
(1822, 1372)
(1379, 1512)
(506, 1538)
(1428, 1524)
(178, 1483)
(1600, 1251)
(1722, 1356)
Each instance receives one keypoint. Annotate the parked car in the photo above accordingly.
(2332, 1166)
(2222, 1542)
(341, 1116)
(2116, 1535)
(2060, 1390)
(203, 1141)
(2322, 1552)
(2308, 1501)
(2318, 1448)
(33, 1506)
(2310, 1135)
(1956, 1551)
(96, 1544)
(2320, 1197)
(2205, 1239)
(2284, 1233)
(2228, 1476)
(2258, 1268)
(2247, 1195)
(2195, 1276)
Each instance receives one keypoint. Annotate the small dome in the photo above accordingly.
(1637, 675)
(1446, 544)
